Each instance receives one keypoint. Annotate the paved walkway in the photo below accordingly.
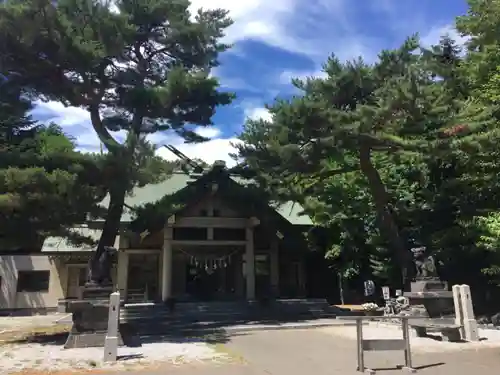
(299, 352)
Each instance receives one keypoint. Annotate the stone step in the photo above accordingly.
(186, 329)
(263, 310)
(165, 315)
(229, 311)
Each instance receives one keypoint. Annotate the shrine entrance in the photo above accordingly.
(209, 284)
(209, 274)
(143, 282)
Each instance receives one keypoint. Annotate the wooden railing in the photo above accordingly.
(363, 345)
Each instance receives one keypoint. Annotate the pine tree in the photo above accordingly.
(482, 65)
(16, 127)
(393, 108)
(46, 187)
(137, 66)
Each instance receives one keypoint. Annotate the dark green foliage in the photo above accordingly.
(46, 187)
(17, 130)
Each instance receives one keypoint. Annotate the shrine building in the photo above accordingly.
(211, 238)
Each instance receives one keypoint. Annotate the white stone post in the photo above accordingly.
(111, 341)
(459, 315)
(470, 323)
(250, 265)
(166, 274)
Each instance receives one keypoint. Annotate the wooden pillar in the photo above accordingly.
(250, 264)
(166, 274)
(122, 273)
(238, 275)
(274, 268)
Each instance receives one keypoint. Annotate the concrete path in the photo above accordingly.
(311, 351)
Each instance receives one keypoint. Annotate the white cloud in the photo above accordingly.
(88, 141)
(257, 113)
(252, 17)
(287, 75)
(76, 122)
(207, 132)
(433, 36)
(313, 28)
(58, 113)
(210, 151)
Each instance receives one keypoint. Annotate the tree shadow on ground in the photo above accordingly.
(129, 357)
(437, 337)
(399, 367)
(179, 327)
(214, 336)
(58, 338)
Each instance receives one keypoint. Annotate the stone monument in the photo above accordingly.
(431, 300)
(429, 295)
(90, 314)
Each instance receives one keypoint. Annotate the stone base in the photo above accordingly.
(90, 326)
(430, 298)
(78, 339)
(87, 339)
(429, 285)
(97, 292)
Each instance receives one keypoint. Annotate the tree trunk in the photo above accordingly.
(341, 289)
(109, 231)
(112, 223)
(386, 219)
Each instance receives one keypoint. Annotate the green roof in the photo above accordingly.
(179, 180)
(61, 244)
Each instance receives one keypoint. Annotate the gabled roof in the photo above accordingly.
(62, 245)
(151, 193)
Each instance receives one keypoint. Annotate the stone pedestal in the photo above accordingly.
(97, 292)
(431, 299)
(430, 285)
(90, 321)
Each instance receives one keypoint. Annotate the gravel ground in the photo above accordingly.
(8, 323)
(489, 338)
(19, 357)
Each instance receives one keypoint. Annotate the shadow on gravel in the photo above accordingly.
(398, 368)
(129, 357)
(41, 338)
(215, 336)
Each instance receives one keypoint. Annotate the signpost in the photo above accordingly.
(386, 292)
(369, 288)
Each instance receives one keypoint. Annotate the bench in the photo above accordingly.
(449, 330)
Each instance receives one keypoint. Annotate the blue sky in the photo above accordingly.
(275, 40)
